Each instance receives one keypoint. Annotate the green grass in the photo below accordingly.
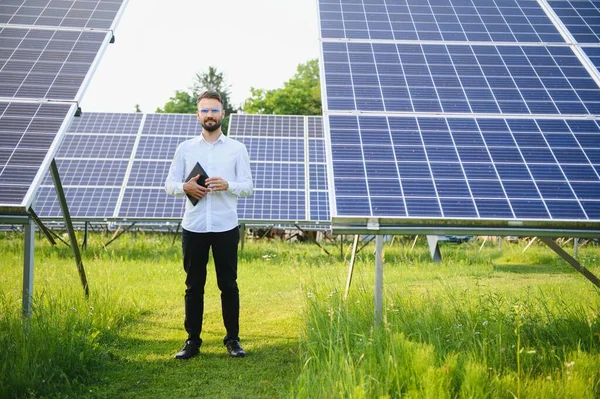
(479, 324)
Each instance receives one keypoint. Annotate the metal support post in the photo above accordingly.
(351, 266)
(29, 230)
(434, 248)
(378, 280)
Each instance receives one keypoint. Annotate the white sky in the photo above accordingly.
(160, 46)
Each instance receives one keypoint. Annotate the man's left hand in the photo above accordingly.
(216, 184)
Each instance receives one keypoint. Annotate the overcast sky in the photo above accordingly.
(160, 46)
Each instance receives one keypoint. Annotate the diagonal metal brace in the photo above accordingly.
(572, 261)
(65, 211)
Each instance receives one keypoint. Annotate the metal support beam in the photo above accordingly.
(242, 235)
(118, 234)
(85, 236)
(176, 231)
(29, 230)
(65, 211)
(311, 239)
(434, 248)
(573, 262)
(575, 247)
(43, 229)
(378, 280)
(351, 266)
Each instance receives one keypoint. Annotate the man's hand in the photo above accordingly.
(192, 188)
(216, 184)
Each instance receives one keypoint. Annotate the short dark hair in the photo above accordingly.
(210, 94)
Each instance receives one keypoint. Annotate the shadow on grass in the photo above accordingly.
(146, 368)
(534, 269)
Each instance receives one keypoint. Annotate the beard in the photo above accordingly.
(211, 128)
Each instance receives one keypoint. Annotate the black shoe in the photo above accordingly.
(190, 349)
(234, 349)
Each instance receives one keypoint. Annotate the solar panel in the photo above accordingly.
(487, 121)
(593, 53)
(126, 157)
(439, 20)
(581, 17)
(29, 135)
(457, 78)
(93, 14)
(47, 64)
(92, 162)
(287, 158)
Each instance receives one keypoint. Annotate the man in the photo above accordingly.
(212, 222)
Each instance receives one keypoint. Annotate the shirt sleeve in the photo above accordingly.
(243, 186)
(174, 182)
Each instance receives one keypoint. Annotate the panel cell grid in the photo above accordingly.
(458, 79)
(266, 126)
(83, 202)
(47, 64)
(508, 169)
(440, 20)
(104, 123)
(148, 174)
(158, 147)
(284, 176)
(96, 146)
(172, 125)
(86, 172)
(156, 204)
(97, 14)
(581, 17)
(273, 205)
(273, 149)
(27, 132)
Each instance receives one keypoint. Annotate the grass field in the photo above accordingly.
(489, 324)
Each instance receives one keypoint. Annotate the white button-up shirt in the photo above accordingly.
(226, 158)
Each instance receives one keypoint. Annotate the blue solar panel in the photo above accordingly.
(101, 202)
(389, 77)
(150, 203)
(158, 147)
(581, 17)
(149, 174)
(29, 135)
(172, 125)
(593, 54)
(283, 149)
(102, 123)
(441, 20)
(98, 14)
(89, 172)
(48, 64)
(266, 126)
(510, 169)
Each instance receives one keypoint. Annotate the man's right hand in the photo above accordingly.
(192, 188)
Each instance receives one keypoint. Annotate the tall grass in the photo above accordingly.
(458, 335)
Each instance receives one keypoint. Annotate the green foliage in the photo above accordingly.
(185, 102)
(181, 103)
(450, 330)
(301, 95)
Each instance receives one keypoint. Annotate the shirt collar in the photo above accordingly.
(222, 138)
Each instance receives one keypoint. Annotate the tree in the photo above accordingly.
(301, 95)
(184, 102)
(181, 103)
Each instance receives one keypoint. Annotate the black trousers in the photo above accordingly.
(195, 258)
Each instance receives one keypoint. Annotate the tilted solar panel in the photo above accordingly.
(92, 14)
(29, 135)
(447, 128)
(48, 64)
(439, 20)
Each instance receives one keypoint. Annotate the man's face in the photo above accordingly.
(210, 114)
